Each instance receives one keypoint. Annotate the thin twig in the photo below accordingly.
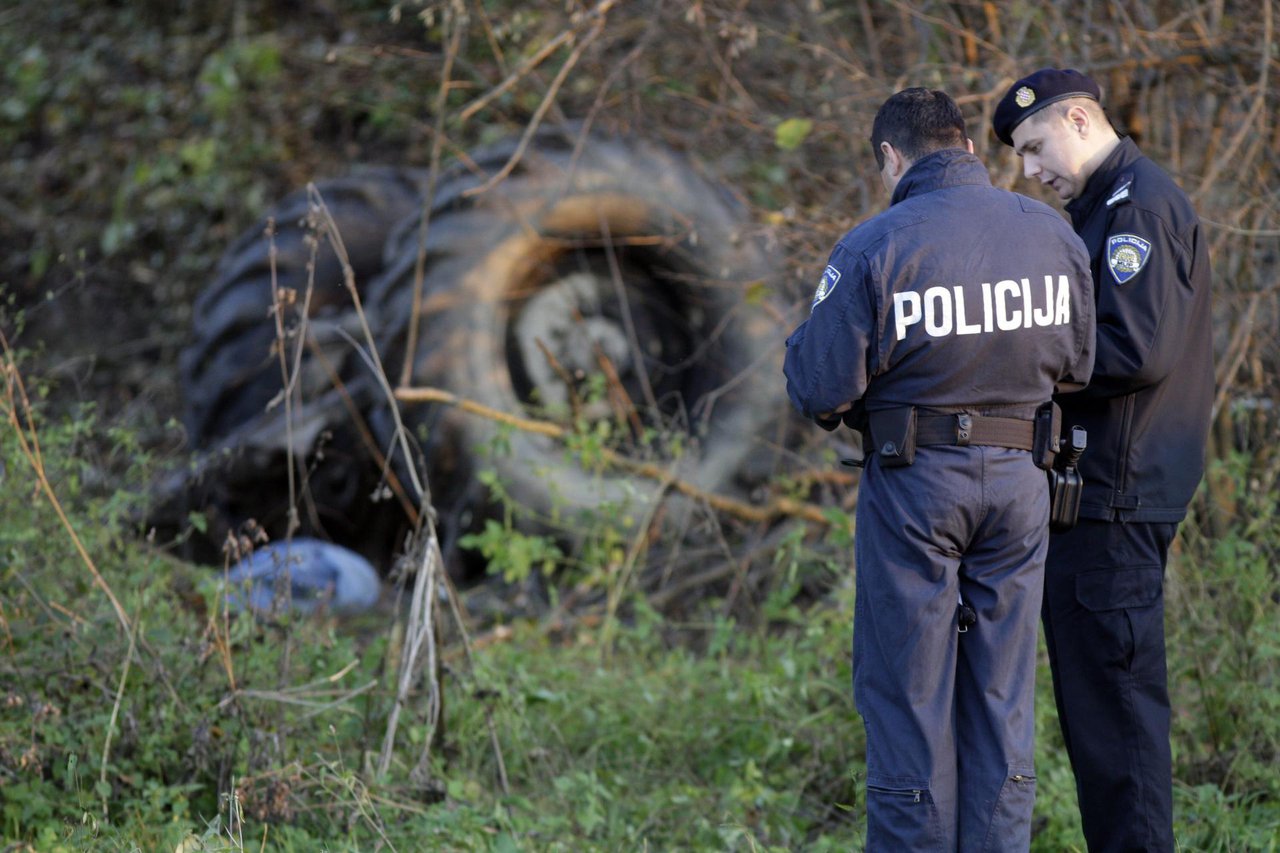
(564, 36)
(369, 354)
(452, 13)
(366, 435)
(627, 569)
(421, 624)
(1243, 232)
(29, 444)
(532, 127)
(292, 697)
(115, 714)
(515, 76)
(1237, 350)
(575, 402)
(420, 633)
(749, 512)
(286, 377)
(624, 308)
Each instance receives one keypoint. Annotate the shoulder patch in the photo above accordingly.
(1126, 255)
(830, 278)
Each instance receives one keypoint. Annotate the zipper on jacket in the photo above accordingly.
(1123, 452)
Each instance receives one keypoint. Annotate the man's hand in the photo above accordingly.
(830, 420)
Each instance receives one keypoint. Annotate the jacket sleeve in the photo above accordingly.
(826, 364)
(1141, 315)
(1078, 369)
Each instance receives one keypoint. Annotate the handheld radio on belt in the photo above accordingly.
(1066, 485)
(894, 434)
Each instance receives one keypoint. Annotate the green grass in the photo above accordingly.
(166, 720)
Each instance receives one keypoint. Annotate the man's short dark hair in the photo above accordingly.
(916, 122)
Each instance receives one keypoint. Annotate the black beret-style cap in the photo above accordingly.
(1035, 92)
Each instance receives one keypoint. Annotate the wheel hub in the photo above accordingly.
(562, 333)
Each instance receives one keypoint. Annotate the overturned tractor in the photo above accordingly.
(382, 338)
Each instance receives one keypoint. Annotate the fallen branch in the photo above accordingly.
(775, 508)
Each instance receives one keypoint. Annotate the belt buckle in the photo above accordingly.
(964, 429)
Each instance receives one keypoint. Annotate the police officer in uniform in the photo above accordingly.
(939, 328)
(1147, 411)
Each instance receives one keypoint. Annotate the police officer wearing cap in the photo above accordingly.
(939, 329)
(1147, 411)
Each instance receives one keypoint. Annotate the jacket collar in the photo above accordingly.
(1103, 179)
(950, 167)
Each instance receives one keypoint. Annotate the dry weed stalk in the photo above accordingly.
(452, 12)
(21, 417)
(421, 628)
(115, 714)
(19, 413)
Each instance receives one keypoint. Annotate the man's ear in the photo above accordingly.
(892, 159)
(1079, 121)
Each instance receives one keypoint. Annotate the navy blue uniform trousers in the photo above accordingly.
(1104, 628)
(949, 716)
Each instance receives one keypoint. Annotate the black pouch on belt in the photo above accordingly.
(1044, 436)
(893, 434)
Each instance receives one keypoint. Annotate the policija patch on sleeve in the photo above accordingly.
(1126, 256)
(830, 278)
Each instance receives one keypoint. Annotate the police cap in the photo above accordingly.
(1035, 92)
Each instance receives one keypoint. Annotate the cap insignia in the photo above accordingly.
(1024, 97)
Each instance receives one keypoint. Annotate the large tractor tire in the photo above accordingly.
(231, 372)
(596, 264)
(232, 376)
(592, 256)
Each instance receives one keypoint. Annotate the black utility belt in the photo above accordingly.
(964, 430)
(896, 433)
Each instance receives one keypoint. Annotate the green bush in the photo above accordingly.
(1224, 656)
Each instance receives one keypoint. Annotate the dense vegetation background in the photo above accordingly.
(140, 138)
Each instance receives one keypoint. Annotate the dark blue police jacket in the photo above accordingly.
(959, 296)
(1148, 404)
